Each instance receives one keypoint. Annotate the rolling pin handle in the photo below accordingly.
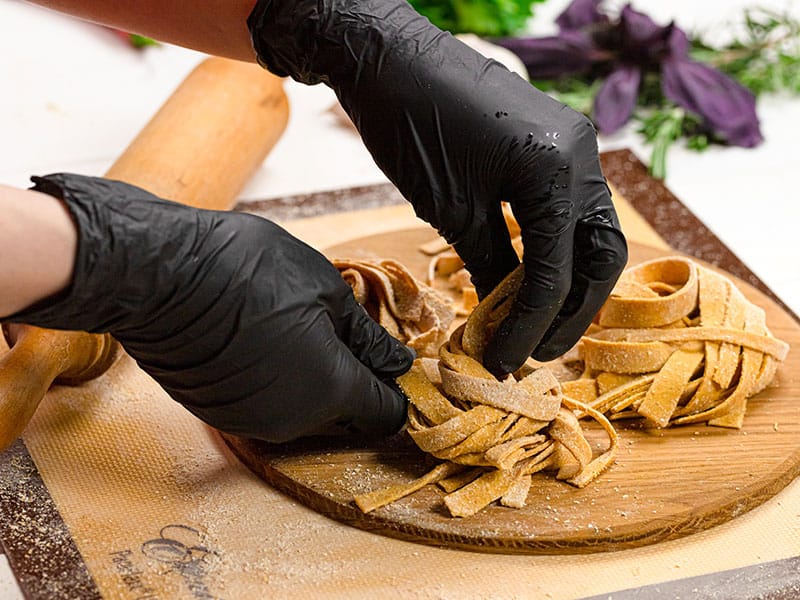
(39, 357)
(88, 355)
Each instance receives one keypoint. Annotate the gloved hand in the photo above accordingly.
(457, 134)
(250, 329)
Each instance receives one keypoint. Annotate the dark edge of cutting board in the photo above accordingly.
(40, 568)
(40, 549)
(775, 580)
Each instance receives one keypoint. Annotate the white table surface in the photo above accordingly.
(73, 96)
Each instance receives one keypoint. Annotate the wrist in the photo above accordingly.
(112, 224)
(38, 246)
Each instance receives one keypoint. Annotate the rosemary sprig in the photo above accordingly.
(662, 127)
(765, 58)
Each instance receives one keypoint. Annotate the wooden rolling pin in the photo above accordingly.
(200, 149)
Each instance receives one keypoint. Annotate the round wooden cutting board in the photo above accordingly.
(665, 483)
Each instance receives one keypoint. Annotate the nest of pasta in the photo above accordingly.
(676, 343)
(493, 435)
(409, 310)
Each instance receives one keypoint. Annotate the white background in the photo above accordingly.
(72, 96)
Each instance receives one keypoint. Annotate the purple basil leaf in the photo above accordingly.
(726, 107)
(580, 14)
(549, 57)
(616, 100)
(678, 43)
(642, 39)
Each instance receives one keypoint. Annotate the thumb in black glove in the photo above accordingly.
(457, 134)
(249, 328)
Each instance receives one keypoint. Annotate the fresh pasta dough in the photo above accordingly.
(676, 343)
(493, 435)
(409, 310)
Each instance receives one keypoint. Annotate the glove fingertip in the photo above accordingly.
(383, 354)
(387, 410)
(509, 347)
(400, 361)
(500, 363)
(548, 352)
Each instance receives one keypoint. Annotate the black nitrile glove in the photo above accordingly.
(457, 134)
(249, 328)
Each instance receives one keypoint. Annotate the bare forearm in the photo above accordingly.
(38, 241)
(216, 27)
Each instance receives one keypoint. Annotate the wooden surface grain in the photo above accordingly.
(665, 483)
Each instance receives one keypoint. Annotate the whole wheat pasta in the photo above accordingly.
(492, 434)
(676, 343)
(409, 310)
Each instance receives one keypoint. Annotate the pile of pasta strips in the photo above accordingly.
(493, 435)
(409, 310)
(675, 343)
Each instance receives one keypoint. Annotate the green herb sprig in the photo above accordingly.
(490, 18)
(765, 58)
